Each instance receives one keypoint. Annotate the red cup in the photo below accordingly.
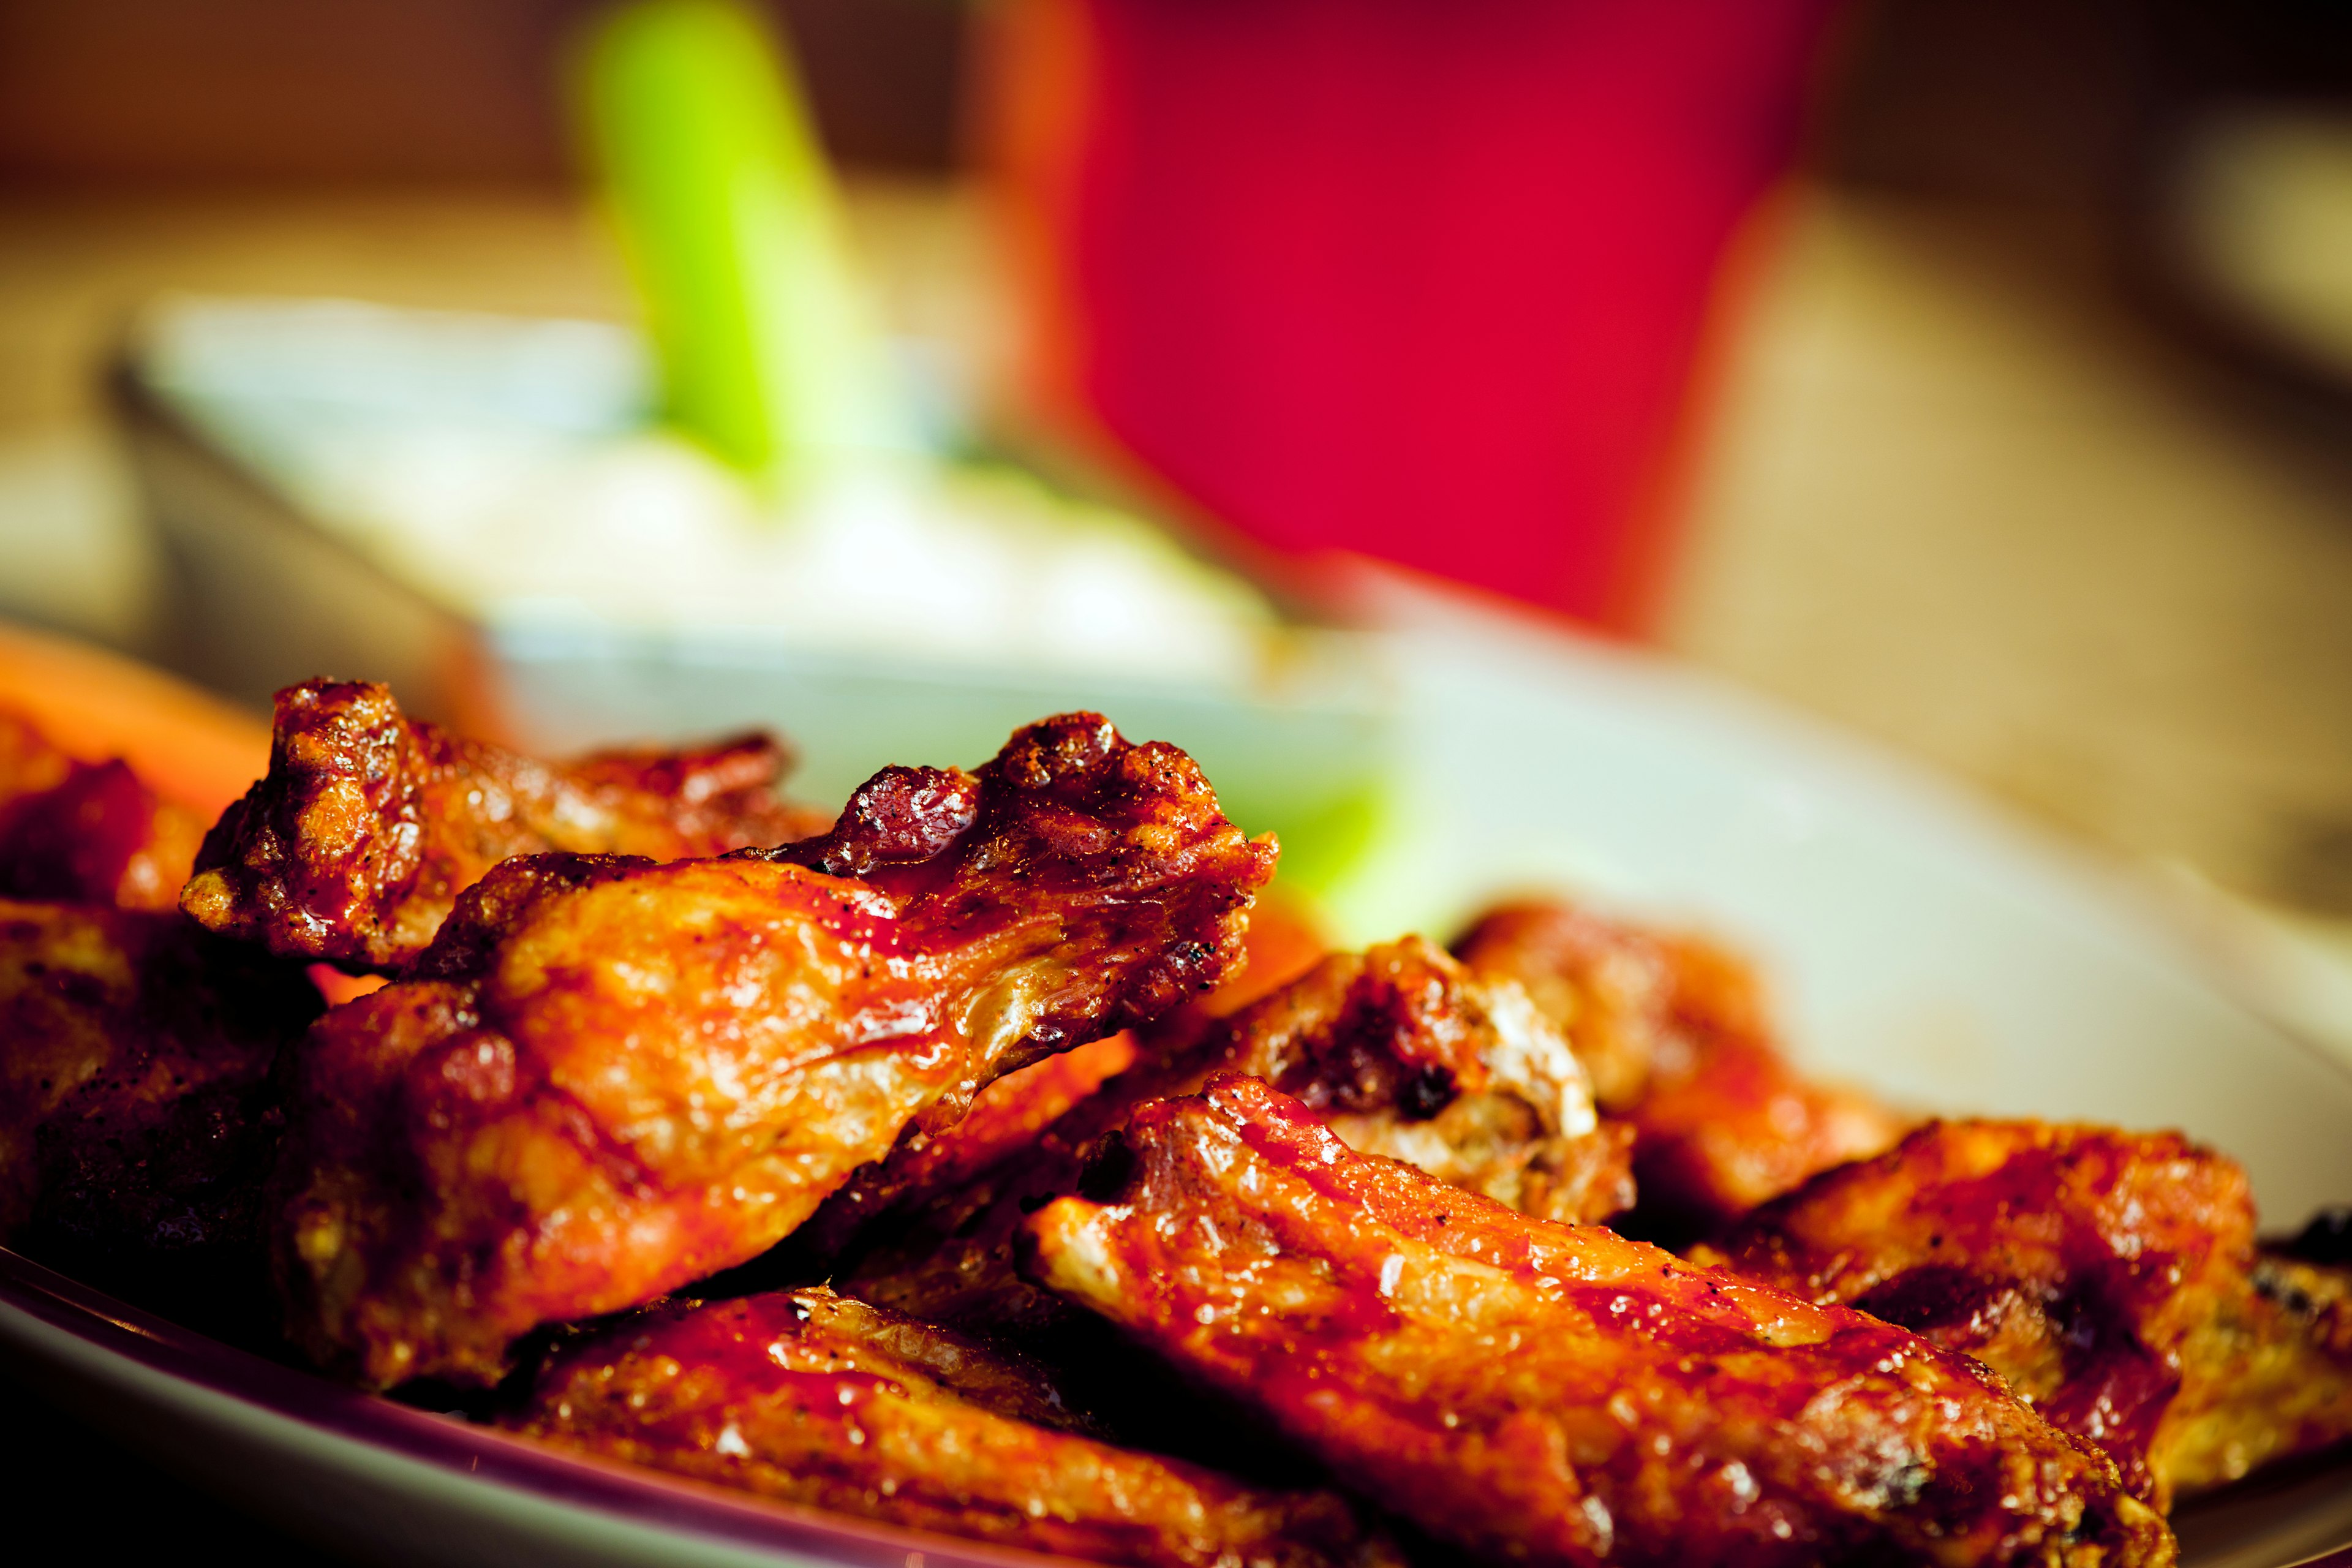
(1424, 279)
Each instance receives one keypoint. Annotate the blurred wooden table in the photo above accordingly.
(1960, 497)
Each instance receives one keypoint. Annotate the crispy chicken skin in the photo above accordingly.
(814, 1399)
(1674, 1033)
(85, 833)
(1549, 1393)
(2112, 1279)
(1399, 1050)
(1404, 1052)
(608, 1079)
(369, 824)
(1011, 1114)
(136, 1117)
(1006, 1121)
(2272, 1379)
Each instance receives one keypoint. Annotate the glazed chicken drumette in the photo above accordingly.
(138, 1111)
(1398, 1048)
(74, 831)
(608, 1079)
(1680, 1045)
(811, 1397)
(2112, 1279)
(353, 848)
(138, 1115)
(1556, 1394)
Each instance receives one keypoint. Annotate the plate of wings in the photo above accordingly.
(476, 1157)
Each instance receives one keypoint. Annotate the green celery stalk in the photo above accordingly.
(729, 217)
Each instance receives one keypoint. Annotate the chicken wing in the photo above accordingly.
(608, 1079)
(1006, 1122)
(355, 845)
(811, 1398)
(1675, 1036)
(1399, 1049)
(136, 1117)
(2111, 1280)
(1549, 1393)
(1404, 1052)
(1280, 944)
(85, 833)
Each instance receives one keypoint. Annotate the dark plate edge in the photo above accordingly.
(645, 1497)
